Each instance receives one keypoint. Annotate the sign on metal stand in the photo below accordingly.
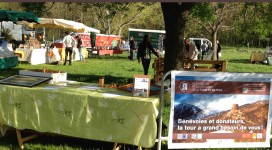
(217, 110)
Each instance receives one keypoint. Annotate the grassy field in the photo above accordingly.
(118, 70)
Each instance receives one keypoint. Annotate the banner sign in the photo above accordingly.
(219, 110)
(101, 39)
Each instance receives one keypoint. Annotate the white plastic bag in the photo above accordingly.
(219, 54)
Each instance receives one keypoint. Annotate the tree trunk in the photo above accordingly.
(120, 31)
(214, 39)
(175, 19)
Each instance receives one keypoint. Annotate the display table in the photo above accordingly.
(8, 62)
(75, 53)
(81, 110)
(34, 56)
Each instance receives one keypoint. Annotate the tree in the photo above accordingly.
(152, 18)
(135, 12)
(254, 23)
(175, 17)
(113, 17)
(38, 8)
(212, 16)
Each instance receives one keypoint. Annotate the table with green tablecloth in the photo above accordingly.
(81, 110)
(8, 62)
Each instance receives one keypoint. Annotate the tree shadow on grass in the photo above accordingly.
(115, 56)
(95, 78)
(9, 72)
(243, 61)
(53, 141)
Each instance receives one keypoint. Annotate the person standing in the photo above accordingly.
(218, 50)
(68, 43)
(144, 53)
(190, 50)
(204, 48)
(93, 39)
(131, 47)
(79, 47)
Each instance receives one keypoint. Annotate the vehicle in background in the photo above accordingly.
(199, 41)
(155, 37)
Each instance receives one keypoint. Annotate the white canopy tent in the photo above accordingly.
(62, 23)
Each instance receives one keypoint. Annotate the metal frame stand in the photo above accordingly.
(159, 140)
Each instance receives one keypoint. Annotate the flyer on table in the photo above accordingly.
(219, 110)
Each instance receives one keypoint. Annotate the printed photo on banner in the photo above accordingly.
(219, 110)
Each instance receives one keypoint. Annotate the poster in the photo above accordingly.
(141, 86)
(219, 110)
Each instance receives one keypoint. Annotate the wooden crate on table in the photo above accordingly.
(158, 66)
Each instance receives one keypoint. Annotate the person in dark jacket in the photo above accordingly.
(131, 47)
(144, 53)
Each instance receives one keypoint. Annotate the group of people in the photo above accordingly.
(145, 49)
(192, 53)
(69, 42)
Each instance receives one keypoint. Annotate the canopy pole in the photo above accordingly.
(44, 39)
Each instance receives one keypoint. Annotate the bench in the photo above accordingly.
(205, 65)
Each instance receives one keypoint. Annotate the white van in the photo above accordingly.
(199, 41)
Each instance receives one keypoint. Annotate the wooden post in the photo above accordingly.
(19, 137)
(22, 140)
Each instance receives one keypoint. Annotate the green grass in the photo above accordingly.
(119, 70)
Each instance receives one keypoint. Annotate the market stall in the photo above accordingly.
(65, 24)
(34, 56)
(18, 18)
(75, 56)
